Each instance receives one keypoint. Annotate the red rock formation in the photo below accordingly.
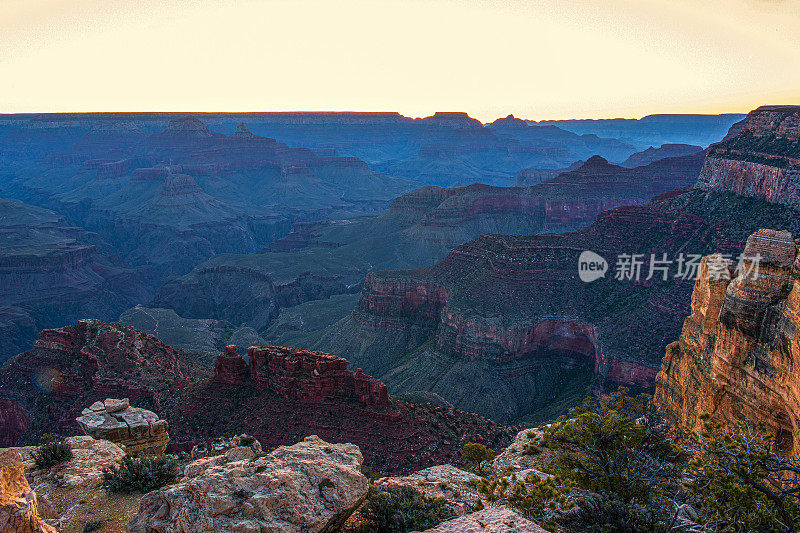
(736, 357)
(761, 160)
(13, 420)
(74, 366)
(293, 394)
(311, 376)
(230, 367)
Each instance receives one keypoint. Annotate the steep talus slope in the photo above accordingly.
(762, 161)
(284, 395)
(51, 271)
(736, 355)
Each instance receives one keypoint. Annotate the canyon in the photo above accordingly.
(320, 259)
(498, 309)
(157, 194)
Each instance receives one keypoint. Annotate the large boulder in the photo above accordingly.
(312, 486)
(139, 431)
(490, 520)
(19, 512)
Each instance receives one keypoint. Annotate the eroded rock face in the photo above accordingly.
(311, 486)
(19, 511)
(230, 367)
(490, 520)
(140, 431)
(735, 357)
(761, 160)
(299, 374)
(72, 367)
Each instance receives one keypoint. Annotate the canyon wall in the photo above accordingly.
(762, 160)
(736, 357)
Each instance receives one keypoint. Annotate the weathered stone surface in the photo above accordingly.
(70, 493)
(19, 511)
(139, 431)
(522, 457)
(735, 357)
(490, 520)
(311, 486)
(458, 487)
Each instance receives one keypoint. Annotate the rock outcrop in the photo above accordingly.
(762, 160)
(138, 431)
(70, 494)
(311, 486)
(19, 512)
(75, 366)
(230, 367)
(489, 520)
(296, 373)
(458, 487)
(291, 394)
(736, 356)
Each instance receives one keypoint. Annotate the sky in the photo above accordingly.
(536, 59)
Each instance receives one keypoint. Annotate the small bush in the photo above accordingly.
(475, 452)
(401, 509)
(142, 474)
(92, 525)
(54, 450)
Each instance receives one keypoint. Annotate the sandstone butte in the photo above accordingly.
(299, 374)
(736, 356)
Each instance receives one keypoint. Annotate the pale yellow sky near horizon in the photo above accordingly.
(535, 59)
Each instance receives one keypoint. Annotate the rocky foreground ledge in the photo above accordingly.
(312, 486)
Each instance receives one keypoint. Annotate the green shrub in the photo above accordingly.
(401, 509)
(142, 474)
(475, 452)
(92, 525)
(607, 514)
(54, 450)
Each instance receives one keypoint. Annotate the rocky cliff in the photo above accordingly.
(735, 356)
(762, 160)
(281, 395)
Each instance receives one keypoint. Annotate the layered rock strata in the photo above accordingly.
(299, 374)
(139, 431)
(736, 356)
(762, 161)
